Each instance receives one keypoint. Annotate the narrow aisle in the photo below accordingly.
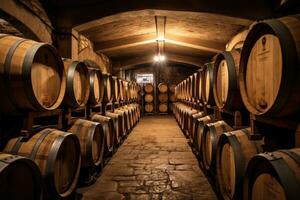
(155, 162)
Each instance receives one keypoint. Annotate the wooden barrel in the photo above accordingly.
(163, 107)
(122, 122)
(172, 98)
(20, 178)
(96, 86)
(207, 86)
(108, 89)
(273, 176)
(118, 125)
(32, 75)
(129, 114)
(116, 86)
(78, 85)
(270, 67)
(172, 88)
(188, 115)
(91, 139)
(184, 89)
(163, 97)
(163, 87)
(210, 138)
(200, 124)
(193, 122)
(233, 154)
(148, 98)
(226, 86)
(149, 107)
(197, 92)
(148, 88)
(122, 97)
(108, 130)
(57, 154)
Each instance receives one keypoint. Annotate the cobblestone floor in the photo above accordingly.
(155, 162)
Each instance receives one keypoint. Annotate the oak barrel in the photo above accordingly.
(273, 176)
(163, 107)
(109, 132)
(148, 88)
(116, 86)
(210, 137)
(172, 98)
(20, 178)
(57, 154)
(207, 86)
(118, 125)
(148, 98)
(269, 67)
(226, 84)
(193, 122)
(200, 124)
(163, 87)
(96, 86)
(32, 75)
(149, 107)
(91, 139)
(124, 114)
(233, 154)
(78, 84)
(163, 97)
(108, 90)
(172, 88)
(198, 86)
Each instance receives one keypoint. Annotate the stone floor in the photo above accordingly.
(155, 162)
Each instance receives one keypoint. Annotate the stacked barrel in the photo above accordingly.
(172, 97)
(36, 81)
(261, 79)
(163, 98)
(149, 98)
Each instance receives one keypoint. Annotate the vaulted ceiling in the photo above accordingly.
(127, 31)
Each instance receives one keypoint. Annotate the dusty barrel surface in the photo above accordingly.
(269, 67)
(78, 84)
(109, 131)
(20, 178)
(57, 155)
(96, 86)
(273, 176)
(226, 83)
(32, 75)
(233, 154)
(207, 86)
(91, 139)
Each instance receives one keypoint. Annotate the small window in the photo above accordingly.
(144, 78)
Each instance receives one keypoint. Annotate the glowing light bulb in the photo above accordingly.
(156, 58)
(162, 58)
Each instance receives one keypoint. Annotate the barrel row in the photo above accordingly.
(239, 165)
(35, 78)
(262, 76)
(59, 159)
